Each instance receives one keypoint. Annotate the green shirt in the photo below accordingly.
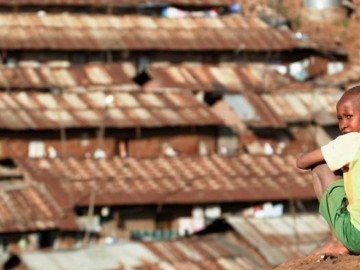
(344, 153)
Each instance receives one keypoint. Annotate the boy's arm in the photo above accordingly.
(310, 159)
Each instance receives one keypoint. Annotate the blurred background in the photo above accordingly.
(141, 134)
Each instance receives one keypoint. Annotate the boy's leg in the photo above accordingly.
(322, 178)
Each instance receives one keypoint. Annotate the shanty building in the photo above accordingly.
(146, 121)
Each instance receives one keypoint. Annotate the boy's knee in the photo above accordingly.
(324, 176)
(321, 169)
(323, 172)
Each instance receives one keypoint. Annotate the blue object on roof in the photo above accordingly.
(241, 107)
(235, 7)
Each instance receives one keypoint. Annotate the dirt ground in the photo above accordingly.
(317, 262)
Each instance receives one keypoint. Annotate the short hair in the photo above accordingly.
(353, 91)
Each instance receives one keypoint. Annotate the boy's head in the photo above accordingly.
(348, 110)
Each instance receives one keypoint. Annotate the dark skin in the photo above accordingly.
(348, 114)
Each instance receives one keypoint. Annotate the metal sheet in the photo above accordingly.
(72, 32)
(283, 238)
(242, 107)
(297, 106)
(350, 75)
(46, 111)
(27, 206)
(178, 180)
(217, 252)
(116, 2)
(224, 78)
(33, 75)
(267, 116)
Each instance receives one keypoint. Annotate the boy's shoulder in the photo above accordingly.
(351, 139)
(350, 135)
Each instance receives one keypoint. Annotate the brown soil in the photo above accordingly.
(331, 255)
(319, 262)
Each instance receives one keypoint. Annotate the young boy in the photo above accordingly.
(336, 174)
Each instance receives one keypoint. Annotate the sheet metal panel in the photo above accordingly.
(211, 3)
(227, 253)
(288, 107)
(226, 138)
(297, 106)
(219, 78)
(283, 238)
(135, 32)
(350, 75)
(46, 111)
(32, 75)
(242, 107)
(119, 77)
(253, 111)
(324, 107)
(177, 180)
(267, 116)
(27, 206)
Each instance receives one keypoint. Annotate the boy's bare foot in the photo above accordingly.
(333, 247)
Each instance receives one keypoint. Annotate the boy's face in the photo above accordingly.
(348, 114)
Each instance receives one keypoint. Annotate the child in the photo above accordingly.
(336, 175)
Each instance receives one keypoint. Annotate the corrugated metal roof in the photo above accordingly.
(175, 180)
(242, 107)
(119, 77)
(317, 105)
(281, 239)
(46, 111)
(227, 114)
(116, 2)
(350, 75)
(220, 251)
(92, 76)
(210, 77)
(322, 41)
(252, 110)
(27, 206)
(133, 32)
(284, 102)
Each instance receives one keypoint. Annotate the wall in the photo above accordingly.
(170, 145)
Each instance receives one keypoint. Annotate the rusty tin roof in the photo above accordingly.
(134, 32)
(224, 78)
(27, 205)
(59, 74)
(280, 239)
(116, 2)
(175, 180)
(346, 78)
(219, 251)
(318, 105)
(260, 97)
(279, 108)
(118, 110)
(109, 77)
(252, 110)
